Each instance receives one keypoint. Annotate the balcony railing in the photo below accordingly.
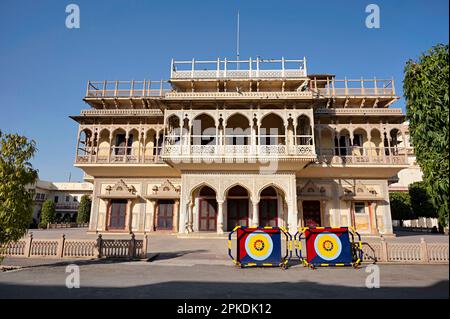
(225, 148)
(120, 155)
(240, 69)
(363, 156)
(130, 89)
(239, 95)
(361, 87)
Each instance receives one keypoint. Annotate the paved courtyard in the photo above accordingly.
(200, 268)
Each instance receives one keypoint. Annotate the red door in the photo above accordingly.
(117, 214)
(268, 212)
(311, 213)
(208, 214)
(237, 213)
(165, 215)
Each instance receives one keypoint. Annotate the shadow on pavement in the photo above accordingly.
(190, 289)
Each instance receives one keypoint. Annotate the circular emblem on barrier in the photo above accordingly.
(259, 245)
(328, 246)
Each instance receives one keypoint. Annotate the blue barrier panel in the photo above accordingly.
(260, 246)
(327, 246)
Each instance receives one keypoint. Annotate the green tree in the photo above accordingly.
(84, 210)
(401, 206)
(420, 201)
(48, 213)
(426, 93)
(16, 174)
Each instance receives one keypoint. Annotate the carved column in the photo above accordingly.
(128, 216)
(255, 214)
(292, 217)
(220, 216)
(176, 213)
(190, 222)
(149, 215)
(373, 218)
(108, 213)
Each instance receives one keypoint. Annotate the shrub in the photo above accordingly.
(48, 214)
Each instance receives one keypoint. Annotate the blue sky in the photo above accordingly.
(44, 66)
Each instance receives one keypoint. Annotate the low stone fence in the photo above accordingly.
(67, 225)
(66, 248)
(417, 229)
(422, 252)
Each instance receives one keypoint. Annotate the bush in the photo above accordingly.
(421, 201)
(401, 206)
(84, 210)
(48, 214)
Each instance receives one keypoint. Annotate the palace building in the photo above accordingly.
(255, 143)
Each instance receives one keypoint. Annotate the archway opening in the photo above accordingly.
(237, 207)
(207, 209)
(203, 130)
(237, 130)
(268, 207)
(272, 130)
(304, 131)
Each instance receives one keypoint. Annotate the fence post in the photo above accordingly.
(98, 246)
(27, 250)
(144, 246)
(60, 251)
(384, 250)
(424, 258)
(132, 247)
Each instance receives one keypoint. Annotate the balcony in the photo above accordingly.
(331, 87)
(238, 69)
(293, 95)
(176, 149)
(344, 156)
(119, 155)
(126, 89)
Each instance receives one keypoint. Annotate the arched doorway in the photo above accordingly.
(268, 207)
(237, 207)
(311, 213)
(207, 210)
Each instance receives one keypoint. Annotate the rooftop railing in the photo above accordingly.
(124, 89)
(251, 68)
(361, 87)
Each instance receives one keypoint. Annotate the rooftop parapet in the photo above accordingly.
(116, 89)
(329, 86)
(238, 69)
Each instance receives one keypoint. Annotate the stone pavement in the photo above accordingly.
(195, 249)
(142, 279)
(200, 268)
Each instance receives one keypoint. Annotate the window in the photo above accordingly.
(75, 199)
(358, 140)
(67, 198)
(56, 199)
(360, 208)
(40, 196)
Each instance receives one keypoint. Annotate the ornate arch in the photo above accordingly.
(225, 192)
(274, 185)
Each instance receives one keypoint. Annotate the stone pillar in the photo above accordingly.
(176, 213)
(128, 216)
(373, 219)
(149, 215)
(220, 216)
(255, 214)
(292, 217)
(300, 221)
(183, 216)
(190, 225)
(107, 215)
